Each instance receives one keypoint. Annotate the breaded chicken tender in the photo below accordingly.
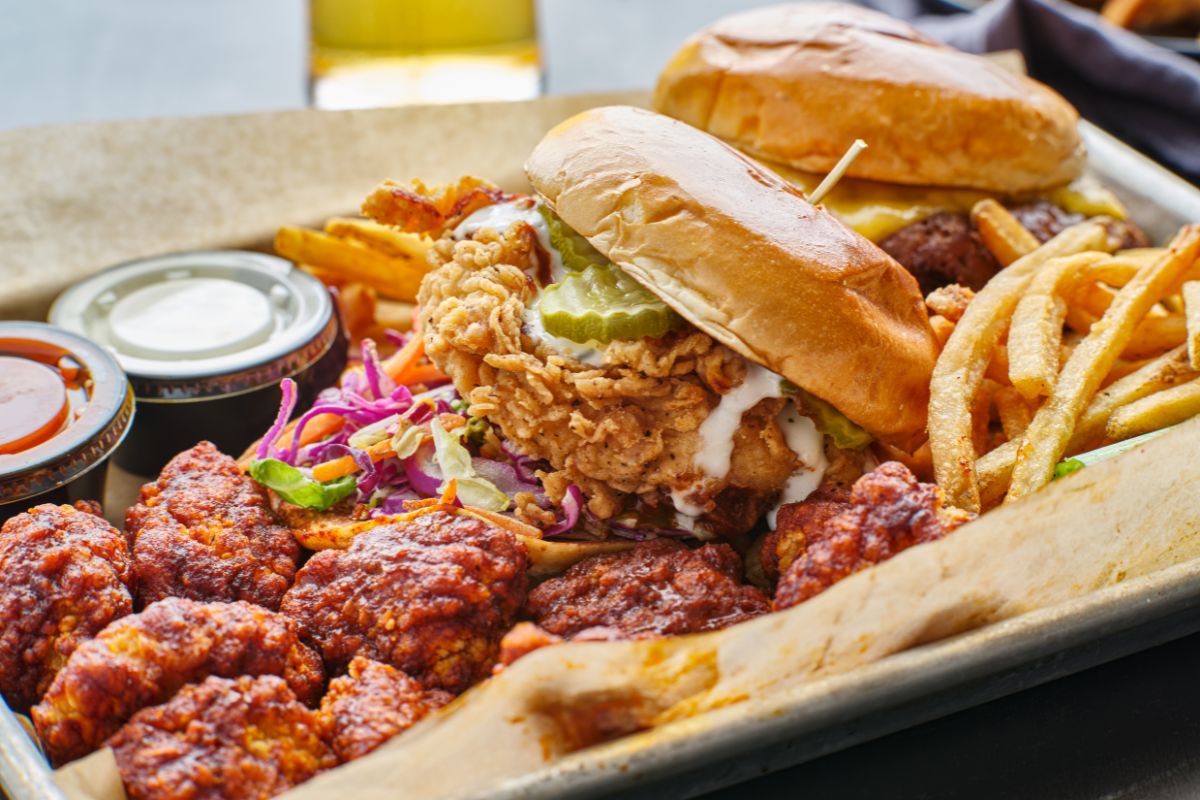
(64, 575)
(204, 531)
(143, 659)
(431, 596)
(243, 739)
(659, 588)
(623, 431)
(888, 511)
(374, 703)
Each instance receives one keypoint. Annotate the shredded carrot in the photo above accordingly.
(404, 359)
(422, 373)
(451, 492)
(346, 465)
(332, 470)
(420, 512)
(319, 427)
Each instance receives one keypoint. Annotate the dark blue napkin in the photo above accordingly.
(1142, 93)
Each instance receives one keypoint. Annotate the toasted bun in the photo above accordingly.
(799, 83)
(746, 259)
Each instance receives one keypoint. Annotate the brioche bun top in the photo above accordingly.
(745, 258)
(798, 83)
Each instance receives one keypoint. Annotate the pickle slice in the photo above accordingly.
(600, 303)
(576, 252)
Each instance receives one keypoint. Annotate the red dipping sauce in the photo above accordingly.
(65, 405)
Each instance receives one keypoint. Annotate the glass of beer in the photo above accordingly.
(368, 53)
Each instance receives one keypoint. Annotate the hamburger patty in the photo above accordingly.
(946, 248)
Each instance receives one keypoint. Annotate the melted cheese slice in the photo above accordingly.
(877, 210)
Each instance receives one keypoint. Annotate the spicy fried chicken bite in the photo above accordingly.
(431, 596)
(204, 531)
(143, 659)
(888, 511)
(373, 703)
(222, 739)
(659, 588)
(64, 575)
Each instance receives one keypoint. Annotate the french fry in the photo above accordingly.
(1013, 411)
(1154, 335)
(1191, 310)
(1035, 335)
(380, 237)
(397, 278)
(995, 471)
(997, 370)
(1050, 432)
(1161, 410)
(1169, 369)
(1001, 232)
(964, 360)
(981, 415)
(942, 328)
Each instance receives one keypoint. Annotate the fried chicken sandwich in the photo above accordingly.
(671, 333)
(795, 85)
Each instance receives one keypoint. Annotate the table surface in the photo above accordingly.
(1127, 729)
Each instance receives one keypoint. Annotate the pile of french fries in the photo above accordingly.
(377, 270)
(1072, 346)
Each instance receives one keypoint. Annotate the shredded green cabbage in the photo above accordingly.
(455, 463)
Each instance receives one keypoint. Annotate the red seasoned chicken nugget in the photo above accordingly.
(222, 740)
(143, 659)
(64, 575)
(204, 531)
(659, 588)
(889, 511)
(373, 703)
(431, 596)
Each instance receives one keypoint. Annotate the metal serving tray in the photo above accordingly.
(768, 733)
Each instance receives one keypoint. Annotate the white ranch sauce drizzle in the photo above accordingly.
(525, 209)
(716, 441)
(808, 444)
(501, 215)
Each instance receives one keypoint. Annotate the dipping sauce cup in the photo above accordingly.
(65, 405)
(205, 338)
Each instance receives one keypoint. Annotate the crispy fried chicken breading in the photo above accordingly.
(431, 596)
(243, 739)
(64, 575)
(373, 703)
(143, 659)
(659, 588)
(204, 531)
(625, 430)
(888, 511)
(418, 208)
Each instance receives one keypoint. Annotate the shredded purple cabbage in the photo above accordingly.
(572, 506)
(288, 405)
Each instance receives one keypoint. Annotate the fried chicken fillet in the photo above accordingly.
(222, 739)
(143, 659)
(623, 431)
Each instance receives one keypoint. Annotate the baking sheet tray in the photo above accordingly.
(726, 746)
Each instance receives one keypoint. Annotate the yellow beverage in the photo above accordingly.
(392, 52)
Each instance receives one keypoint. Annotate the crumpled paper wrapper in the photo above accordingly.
(80, 198)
